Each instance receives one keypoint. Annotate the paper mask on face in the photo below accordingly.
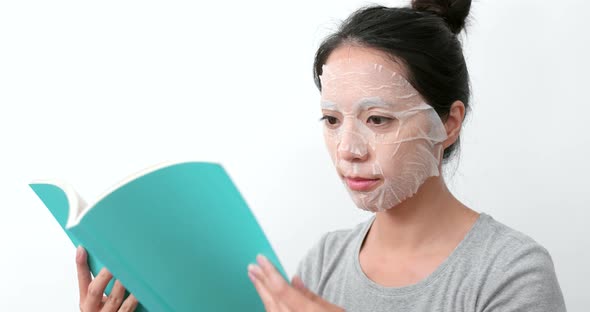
(384, 140)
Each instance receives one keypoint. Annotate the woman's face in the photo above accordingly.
(384, 140)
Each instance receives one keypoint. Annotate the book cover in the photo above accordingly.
(179, 237)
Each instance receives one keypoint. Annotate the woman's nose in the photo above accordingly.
(352, 147)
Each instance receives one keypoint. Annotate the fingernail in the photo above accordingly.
(254, 269)
(252, 277)
(262, 260)
(79, 253)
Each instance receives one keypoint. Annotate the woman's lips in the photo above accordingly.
(361, 184)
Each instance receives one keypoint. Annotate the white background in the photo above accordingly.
(91, 91)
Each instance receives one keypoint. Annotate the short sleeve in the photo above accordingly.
(525, 281)
(310, 267)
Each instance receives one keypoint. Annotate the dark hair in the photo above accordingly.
(423, 38)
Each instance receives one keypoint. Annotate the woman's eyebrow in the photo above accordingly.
(369, 102)
(327, 105)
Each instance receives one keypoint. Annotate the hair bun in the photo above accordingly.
(454, 12)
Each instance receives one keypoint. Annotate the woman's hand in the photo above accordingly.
(92, 298)
(278, 296)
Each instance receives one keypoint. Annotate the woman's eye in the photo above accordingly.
(329, 120)
(379, 120)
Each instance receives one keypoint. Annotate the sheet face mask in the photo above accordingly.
(377, 126)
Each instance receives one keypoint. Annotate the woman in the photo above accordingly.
(395, 90)
(394, 94)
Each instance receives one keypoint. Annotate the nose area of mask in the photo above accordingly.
(352, 144)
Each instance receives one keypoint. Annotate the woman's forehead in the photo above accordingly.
(348, 81)
(360, 54)
(362, 75)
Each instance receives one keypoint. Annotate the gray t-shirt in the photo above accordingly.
(493, 269)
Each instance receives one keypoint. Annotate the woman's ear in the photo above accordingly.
(453, 123)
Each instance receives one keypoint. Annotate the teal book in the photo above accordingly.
(179, 236)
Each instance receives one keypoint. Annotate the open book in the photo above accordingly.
(179, 236)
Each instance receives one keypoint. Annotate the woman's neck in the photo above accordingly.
(433, 215)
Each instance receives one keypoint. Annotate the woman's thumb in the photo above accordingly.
(298, 284)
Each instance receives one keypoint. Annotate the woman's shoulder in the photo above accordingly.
(332, 247)
(340, 239)
(345, 238)
(511, 266)
(496, 248)
(501, 240)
